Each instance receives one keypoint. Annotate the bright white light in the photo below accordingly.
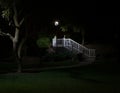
(56, 23)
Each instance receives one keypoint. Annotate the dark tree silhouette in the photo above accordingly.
(13, 12)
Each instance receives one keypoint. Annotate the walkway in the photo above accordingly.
(84, 63)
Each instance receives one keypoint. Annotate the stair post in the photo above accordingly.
(54, 41)
(64, 41)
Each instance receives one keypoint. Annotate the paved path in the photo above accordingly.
(59, 67)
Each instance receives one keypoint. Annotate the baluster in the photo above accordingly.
(64, 41)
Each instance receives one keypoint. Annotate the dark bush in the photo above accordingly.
(80, 56)
(57, 56)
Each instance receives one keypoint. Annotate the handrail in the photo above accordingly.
(73, 46)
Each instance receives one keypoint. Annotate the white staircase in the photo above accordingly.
(73, 46)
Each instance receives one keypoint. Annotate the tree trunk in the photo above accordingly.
(19, 69)
(83, 36)
(17, 59)
(83, 41)
(16, 38)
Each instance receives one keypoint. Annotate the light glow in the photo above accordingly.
(56, 23)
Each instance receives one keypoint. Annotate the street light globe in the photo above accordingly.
(56, 23)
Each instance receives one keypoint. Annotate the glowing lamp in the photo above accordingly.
(56, 23)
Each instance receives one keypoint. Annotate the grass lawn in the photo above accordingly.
(95, 78)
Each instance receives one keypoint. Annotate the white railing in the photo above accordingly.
(73, 46)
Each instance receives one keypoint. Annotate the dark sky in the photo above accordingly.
(90, 13)
(68, 9)
(82, 12)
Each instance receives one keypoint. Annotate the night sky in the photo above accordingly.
(90, 14)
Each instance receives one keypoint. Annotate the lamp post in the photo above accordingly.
(56, 24)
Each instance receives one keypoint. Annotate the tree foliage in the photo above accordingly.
(7, 8)
(43, 42)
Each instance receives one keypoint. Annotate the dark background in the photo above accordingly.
(100, 19)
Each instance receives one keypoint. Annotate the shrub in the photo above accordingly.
(43, 42)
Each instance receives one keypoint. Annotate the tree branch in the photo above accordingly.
(21, 22)
(15, 16)
(7, 34)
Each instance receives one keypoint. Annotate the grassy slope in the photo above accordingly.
(89, 79)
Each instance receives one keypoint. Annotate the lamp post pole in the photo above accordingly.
(56, 23)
